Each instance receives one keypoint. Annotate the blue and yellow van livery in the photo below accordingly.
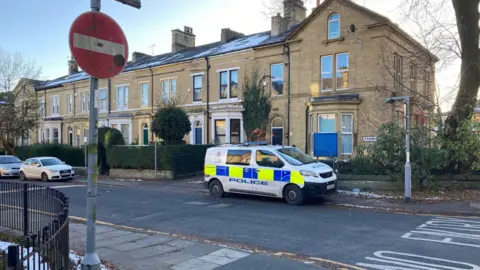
(275, 171)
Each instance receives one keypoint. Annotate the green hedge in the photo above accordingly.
(73, 156)
(177, 158)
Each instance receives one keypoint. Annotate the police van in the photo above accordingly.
(267, 170)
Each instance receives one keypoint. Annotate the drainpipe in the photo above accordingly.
(287, 51)
(44, 104)
(151, 133)
(208, 99)
(306, 129)
(109, 109)
(74, 100)
(38, 114)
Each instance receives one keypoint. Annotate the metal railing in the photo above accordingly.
(40, 214)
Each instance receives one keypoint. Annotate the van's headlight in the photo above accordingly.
(308, 173)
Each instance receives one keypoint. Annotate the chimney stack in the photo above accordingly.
(72, 66)
(137, 56)
(228, 35)
(294, 11)
(182, 39)
(279, 25)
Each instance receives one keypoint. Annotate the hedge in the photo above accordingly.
(177, 158)
(70, 155)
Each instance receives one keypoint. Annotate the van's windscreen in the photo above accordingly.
(295, 156)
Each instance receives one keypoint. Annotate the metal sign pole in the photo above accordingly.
(91, 261)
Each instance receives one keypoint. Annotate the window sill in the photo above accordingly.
(235, 99)
(340, 39)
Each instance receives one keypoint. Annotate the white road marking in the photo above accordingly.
(198, 203)
(445, 230)
(404, 261)
(220, 205)
(67, 186)
(98, 45)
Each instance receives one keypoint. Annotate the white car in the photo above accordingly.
(46, 169)
(9, 166)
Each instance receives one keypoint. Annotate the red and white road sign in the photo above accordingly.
(98, 44)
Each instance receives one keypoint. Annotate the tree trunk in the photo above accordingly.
(466, 13)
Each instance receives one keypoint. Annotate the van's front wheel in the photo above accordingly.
(293, 195)
(216, 189)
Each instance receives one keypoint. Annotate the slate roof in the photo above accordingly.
(212, 49)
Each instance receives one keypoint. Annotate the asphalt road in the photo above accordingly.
(352, 236)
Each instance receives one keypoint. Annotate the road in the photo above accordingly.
(352, 236)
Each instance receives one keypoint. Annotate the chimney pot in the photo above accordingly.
(72, 66)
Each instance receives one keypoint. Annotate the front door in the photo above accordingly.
(270, 174)
(239, 170)
(277, 136)
(145, 136)
(198, 135)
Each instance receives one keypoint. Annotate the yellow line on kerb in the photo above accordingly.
(338, 265)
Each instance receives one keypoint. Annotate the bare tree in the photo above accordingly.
(19, 107)
(456, 38)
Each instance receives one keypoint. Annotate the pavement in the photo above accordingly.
(127, 249)
(274, 233)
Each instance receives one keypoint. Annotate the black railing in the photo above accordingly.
(40, 214)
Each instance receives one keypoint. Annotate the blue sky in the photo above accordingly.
(39, 28)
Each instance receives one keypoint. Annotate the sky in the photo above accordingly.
(39, 28)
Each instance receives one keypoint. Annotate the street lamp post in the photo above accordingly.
(408, 168)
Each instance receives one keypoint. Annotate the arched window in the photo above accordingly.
(334, 26)
(145, 134)
(70, 136)
(277, 131)
(198, 133)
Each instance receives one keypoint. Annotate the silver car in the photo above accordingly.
(9, 166)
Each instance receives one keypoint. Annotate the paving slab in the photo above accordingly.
(195, 264)
(151, 251)
(224, 256)
(121, 240)
(149, 240)
(111, 234)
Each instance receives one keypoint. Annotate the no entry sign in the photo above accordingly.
(98, 44)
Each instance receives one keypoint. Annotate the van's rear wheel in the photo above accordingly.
(293, 195)
(216, 189)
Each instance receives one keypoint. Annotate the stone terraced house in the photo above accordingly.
(328, 72)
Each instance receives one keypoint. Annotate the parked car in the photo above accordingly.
(9, 166)
(45, 169)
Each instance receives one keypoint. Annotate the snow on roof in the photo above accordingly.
(212, 49)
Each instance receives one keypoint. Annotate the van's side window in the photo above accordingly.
(239, 157)
(268, 159)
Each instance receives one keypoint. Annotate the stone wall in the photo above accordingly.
(384, 182)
